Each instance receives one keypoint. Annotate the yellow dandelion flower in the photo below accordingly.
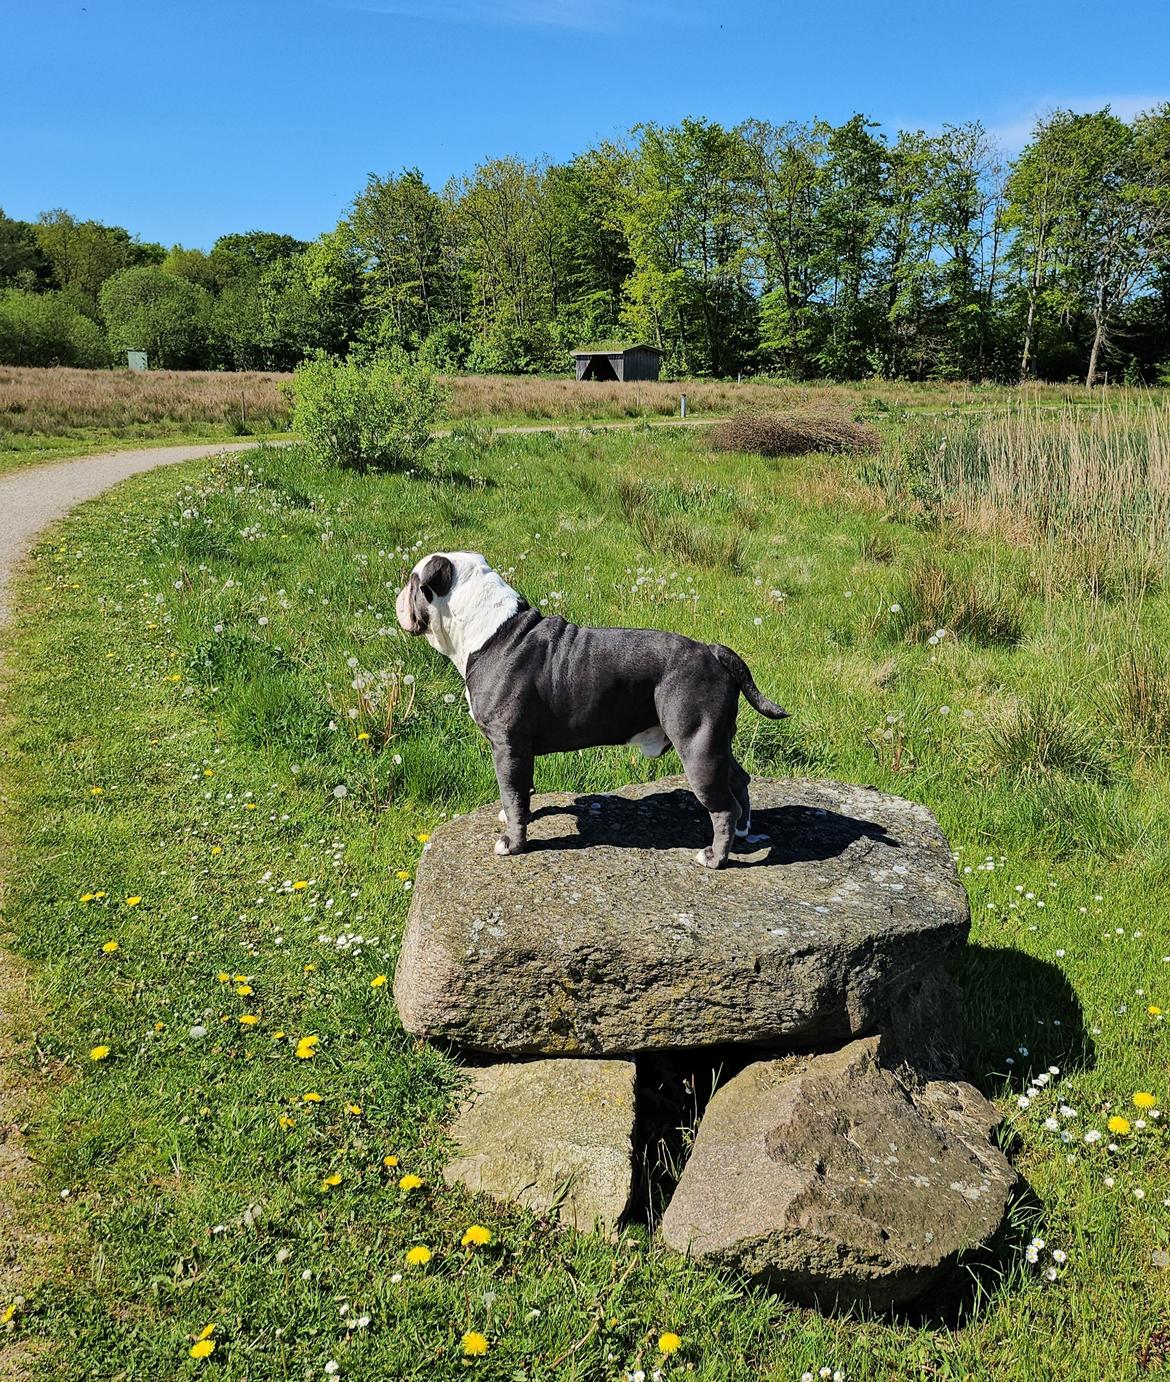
(355, 1109)
(207, 1331)
(285, 1122)
(249, 1019)
(390, 1162)
(175, 677)
(133, 901)
(1118, 1125)
(96, 791)
(249, 806)
(100, 894)
(419, 1256)
(98, 1052)
(277, 1036)
(217, 849)
(239, 978)
(307, 1047)
(7, 1314)
(300, 885)
(203, 1349)
(223, 976)
(1154, 1010)
(160, 1026)
(475, 1345)
(378, 981)
(244, 991)
(402, 874)
(330, 1181)
(110, 947)
(669, 1343)
(423, 838)
(410, 1182)
(309, 968)
(311, 1098)
(208, 772)
(87, 897)
(362, 737)
(1143, 1100)
(477, 1236)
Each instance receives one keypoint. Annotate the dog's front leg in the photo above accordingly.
(514, 765)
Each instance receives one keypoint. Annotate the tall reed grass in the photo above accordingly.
(1095, 480)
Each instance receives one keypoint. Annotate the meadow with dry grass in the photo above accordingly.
(53, 412)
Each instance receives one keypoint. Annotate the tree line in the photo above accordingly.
(808, 250)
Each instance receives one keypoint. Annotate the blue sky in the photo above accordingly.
(184, 122)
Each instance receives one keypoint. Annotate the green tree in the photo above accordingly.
(400, 232)
(22, 262)
(83, 254)
(685, 220)
(783, 186)
(152, 310)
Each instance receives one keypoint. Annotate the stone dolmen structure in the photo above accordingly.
(847, 1161)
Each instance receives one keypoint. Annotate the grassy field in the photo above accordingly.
(49, 413)
(220, 763)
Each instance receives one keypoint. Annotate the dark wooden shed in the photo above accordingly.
(623, 364)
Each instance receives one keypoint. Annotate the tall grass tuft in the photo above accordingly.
(1044, 737)
(935, 598)
(1139, 699)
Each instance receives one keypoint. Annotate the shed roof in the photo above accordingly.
(612, 348)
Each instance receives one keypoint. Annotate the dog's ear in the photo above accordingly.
(437, 576)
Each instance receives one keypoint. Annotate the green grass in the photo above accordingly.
(140, 665)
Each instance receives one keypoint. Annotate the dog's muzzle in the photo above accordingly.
(410, 607)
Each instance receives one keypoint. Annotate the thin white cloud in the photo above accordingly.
(1013, 134)
(580, 15)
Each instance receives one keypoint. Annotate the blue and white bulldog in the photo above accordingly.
(537, 684)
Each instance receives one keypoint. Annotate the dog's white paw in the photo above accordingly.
(501, 846)
(706, 859)
(503, 818)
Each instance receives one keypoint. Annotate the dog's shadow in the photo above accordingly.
(673, 819)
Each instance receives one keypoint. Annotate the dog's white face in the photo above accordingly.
(457, 601)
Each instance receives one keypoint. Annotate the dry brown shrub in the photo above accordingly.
(794, 434)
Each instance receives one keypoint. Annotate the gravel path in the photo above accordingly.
(32, 499)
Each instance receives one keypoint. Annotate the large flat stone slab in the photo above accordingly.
(606, 938)
(550, 1132)
(838, 1181)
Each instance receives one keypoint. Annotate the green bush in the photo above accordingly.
(47, 329)
(376, 416)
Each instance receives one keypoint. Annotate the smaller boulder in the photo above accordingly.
(839, 1181)
(550, 1133)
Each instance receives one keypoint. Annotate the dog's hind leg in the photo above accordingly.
(739, 790)
(514, 767)
(708, 768)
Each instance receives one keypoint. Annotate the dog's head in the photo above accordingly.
(458, 601)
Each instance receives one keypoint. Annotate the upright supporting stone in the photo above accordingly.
(838, 1181)
(550, 1133)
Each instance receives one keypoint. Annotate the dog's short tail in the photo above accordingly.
(751, 692)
